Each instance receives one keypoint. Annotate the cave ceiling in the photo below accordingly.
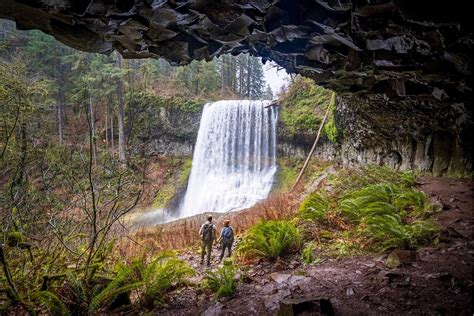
(390, 49)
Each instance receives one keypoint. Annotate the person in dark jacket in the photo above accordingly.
(226, 239)
(208, 233)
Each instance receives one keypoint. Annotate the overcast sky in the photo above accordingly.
(275, 78)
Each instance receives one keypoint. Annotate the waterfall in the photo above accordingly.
(234, 159)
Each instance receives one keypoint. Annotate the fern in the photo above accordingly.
(51, 302)
(125, 281)
(222, 282)
(314, 207)
(161, 274)
(270, 240)
(307, 253)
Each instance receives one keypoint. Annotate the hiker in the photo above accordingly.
(226, 239)
(208, 234)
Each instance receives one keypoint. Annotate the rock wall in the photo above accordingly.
(410, 137)
(170, 132)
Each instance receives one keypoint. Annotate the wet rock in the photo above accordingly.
(280, 277)
(399, 257)
(393, 279)
(214, 310)
(306, 306)
(271, 302)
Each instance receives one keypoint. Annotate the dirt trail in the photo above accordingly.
(439, 282)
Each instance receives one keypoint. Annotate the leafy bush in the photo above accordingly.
(270, 240)
(160, 275)
(151, 280)
(384, 212)
(51, 303)
(314, 207)
(307, 253)
(222, 282)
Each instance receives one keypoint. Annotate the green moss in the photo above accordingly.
(289, 168)
(303, 107)
(177, 178)
(330, 128)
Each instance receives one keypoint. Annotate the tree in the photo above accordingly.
(268, 95)
(121, 111)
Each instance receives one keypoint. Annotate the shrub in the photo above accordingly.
(314, 207)
(270, 240)
(222, 281)
(151, 280)
(383, 212)
(307, 255)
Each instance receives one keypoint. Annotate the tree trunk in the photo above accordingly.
(61, 100)
(107, 128)
(121, 112)
(92, 127)
(112, 147)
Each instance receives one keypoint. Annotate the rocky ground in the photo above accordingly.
(436, 280)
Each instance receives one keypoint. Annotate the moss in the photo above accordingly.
(330, 127)
(177, 178)
(303, 107)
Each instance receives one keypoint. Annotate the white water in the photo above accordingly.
(234, 159)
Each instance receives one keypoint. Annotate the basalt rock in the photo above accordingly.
(398, 48)
(402, 69)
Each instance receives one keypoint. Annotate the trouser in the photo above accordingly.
(206, 247)
(229, 250)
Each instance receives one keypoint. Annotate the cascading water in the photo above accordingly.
(234, 159)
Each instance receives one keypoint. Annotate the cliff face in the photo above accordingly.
(384, 132)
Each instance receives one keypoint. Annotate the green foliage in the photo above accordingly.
(369, 208)
(307, 255)
(314, 207)
(270, 240)
(51, 303)
(151, 280)
(330, 127)
(222, 281)
(303, 107)
(160, 275)
(384, 211)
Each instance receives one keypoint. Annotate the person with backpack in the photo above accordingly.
(226, 239)
(208, 233)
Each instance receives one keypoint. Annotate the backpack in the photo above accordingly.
(208, 232)
(227, 233)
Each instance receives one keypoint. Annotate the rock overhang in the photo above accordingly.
(398, 49)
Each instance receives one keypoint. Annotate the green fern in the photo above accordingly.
(270, 240)
(222, 281)
(307, 253)
(125, 281)
(314, 207)
(161, 274)
(51, 302)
